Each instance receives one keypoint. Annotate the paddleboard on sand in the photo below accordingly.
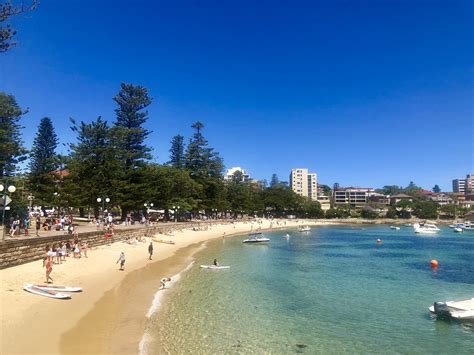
(58, 288)
(214, 267)
(163, 241)
(46, 293)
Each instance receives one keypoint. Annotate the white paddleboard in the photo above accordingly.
(214, 267)
(46, 293)
(58, 288)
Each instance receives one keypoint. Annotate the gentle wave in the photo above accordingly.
(156, 304)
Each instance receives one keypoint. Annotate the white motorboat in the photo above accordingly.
(304, 229)
(461, 310)
(426, 228)
(458, 229)
(256, 238)
(395, 228)
(287, 236)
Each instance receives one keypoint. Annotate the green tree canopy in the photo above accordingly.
(436, 189)
(177, 158)
(44, 162)
(94, 170)
(12, 151)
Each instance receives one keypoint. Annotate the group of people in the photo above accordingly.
(41, 220)
(57, 253)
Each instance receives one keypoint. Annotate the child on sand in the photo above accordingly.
(122, 260)
(163, 282)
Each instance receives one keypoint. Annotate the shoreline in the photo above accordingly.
(98, 275)
(110, 298)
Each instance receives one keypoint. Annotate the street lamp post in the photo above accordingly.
(56, 200)
(11, 189)
(103, 200)
(31, 198)
(175, 211)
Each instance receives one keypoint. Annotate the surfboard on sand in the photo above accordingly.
(58, 288)
(163, 241)
(46, 293)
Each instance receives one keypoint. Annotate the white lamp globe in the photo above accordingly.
(11, 188)
(107, 200)
(99, 199)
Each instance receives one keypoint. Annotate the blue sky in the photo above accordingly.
(365, 93)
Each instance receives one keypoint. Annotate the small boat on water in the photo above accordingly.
(395, 228)
(460, 310)
(304, 229)
(426, 228)
(286, 236)
(458, 229)
(42, 292)
(256, 238)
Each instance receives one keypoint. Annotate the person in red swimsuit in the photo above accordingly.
(49, 268)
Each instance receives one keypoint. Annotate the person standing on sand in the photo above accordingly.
(122, 260)
(38, 225)
(150, 250)
(49, 269)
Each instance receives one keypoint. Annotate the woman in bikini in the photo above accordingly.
(49, 269)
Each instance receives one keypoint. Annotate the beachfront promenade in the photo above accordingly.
(25, 248)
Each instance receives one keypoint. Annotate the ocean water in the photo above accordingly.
(330, 291)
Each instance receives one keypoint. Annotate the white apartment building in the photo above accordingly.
(354, 196)
(464, 185)
(229, 175)
(304, 183)
(459, 185)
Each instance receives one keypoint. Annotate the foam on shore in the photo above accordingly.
(156, 304)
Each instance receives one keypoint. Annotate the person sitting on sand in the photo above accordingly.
(163, 282)
(122, 260)
(215, 262)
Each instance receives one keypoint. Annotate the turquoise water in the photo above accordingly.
(333, 290)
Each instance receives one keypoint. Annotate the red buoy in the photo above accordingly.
(434, 263)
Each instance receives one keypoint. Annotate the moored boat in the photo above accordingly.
(256, 238)
(426, 228)
(304, 229)
(461, 310)
(395, 228)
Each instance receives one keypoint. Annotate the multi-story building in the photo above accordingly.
(459, 185)
(464, 185)
(304, 183)
(229, 175)
(469, 183)
(354, 196)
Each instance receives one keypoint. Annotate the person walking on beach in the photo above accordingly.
(150, 250)
(122, 260)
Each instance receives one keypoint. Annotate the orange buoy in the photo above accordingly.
(378, 241)
(434, 263)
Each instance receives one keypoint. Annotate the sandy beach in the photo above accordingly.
(109, 315)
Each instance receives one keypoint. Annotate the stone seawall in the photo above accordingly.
(20, 251)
